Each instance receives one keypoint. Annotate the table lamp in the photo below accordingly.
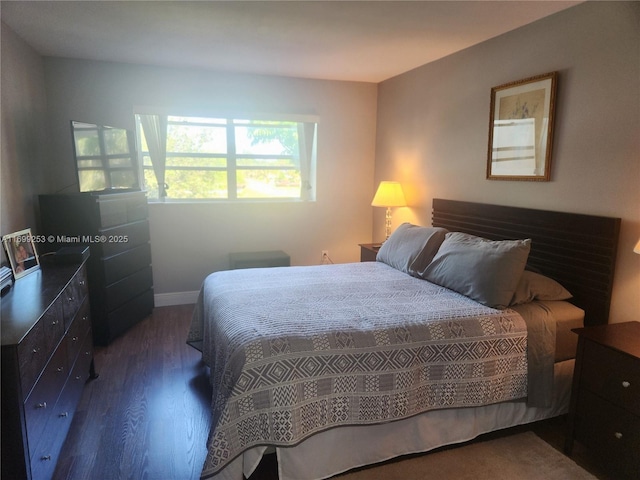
(389, 194)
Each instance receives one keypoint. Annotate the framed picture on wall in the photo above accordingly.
(521, 129)
(21, 252)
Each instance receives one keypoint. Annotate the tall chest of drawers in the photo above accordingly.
(605, 401)
(47, 356)
(116, 228)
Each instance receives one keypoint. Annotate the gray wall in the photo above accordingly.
(433, 126)
(24, 134)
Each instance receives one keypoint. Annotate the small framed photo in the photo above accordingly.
(21, 252)
(521, 129)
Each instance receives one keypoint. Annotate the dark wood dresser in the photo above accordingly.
(47, 356)
(604, 413)
(116, 228)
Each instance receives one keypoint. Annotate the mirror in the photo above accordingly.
(105, 157)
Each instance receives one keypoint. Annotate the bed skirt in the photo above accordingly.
(341, 449)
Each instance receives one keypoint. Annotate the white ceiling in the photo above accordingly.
(366, 41)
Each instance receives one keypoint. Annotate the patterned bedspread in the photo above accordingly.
(297, 350)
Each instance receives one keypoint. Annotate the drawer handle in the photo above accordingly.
(35, 350)
(618, 435)
(54, 323)
(60, 369)
(626, 384)
(70, 299)
(45, 457)
(42, 405)
(78, 377)
(74, 339)
(82, 283)
(63, 414)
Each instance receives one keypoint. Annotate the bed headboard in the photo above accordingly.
(577, 250)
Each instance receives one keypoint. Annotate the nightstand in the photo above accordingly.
(604, 414)
(369, 251)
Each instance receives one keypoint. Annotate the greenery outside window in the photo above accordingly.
(222, 158)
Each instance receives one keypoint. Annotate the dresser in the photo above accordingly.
(604, 413)
(116, 228)
(47, 357)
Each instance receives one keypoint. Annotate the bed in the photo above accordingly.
(340, 366)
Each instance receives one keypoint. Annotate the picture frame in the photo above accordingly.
(21, 252)
(521, 120)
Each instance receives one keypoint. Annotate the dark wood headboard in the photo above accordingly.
(577, 250)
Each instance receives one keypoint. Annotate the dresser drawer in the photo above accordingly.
(121, 319)
(78, 331)
(124, 237)
(72, 392)
(53, 327)
(45, 455)
(123, 264)
(119, 209)
(129, 287)
(73, 296)
(612, 375)
(32, 357)
(611, 433)
(39, 406)
(36, 348)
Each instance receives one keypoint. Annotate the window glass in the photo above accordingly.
(226, 158)
(268, 184)
(192, 184)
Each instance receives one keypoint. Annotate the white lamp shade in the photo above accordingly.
(637, 247)
(389, 194)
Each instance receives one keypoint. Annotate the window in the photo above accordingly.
(105, 157)
(186, 158)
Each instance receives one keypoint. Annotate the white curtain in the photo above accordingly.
(155, 131)
(307, 141)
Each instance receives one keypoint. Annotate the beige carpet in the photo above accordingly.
(518, 457)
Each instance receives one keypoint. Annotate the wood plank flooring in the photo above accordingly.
(147, 415)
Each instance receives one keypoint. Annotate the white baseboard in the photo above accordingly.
(175, 298)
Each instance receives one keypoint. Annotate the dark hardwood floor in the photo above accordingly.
(147, 415)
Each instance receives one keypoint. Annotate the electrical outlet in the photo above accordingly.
(325, 256)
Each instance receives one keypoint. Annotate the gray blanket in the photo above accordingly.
(297, 350)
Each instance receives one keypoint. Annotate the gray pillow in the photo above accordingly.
(411, 248)
(485, 270)
(534, 286)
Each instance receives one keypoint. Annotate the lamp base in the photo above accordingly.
(387, 224)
